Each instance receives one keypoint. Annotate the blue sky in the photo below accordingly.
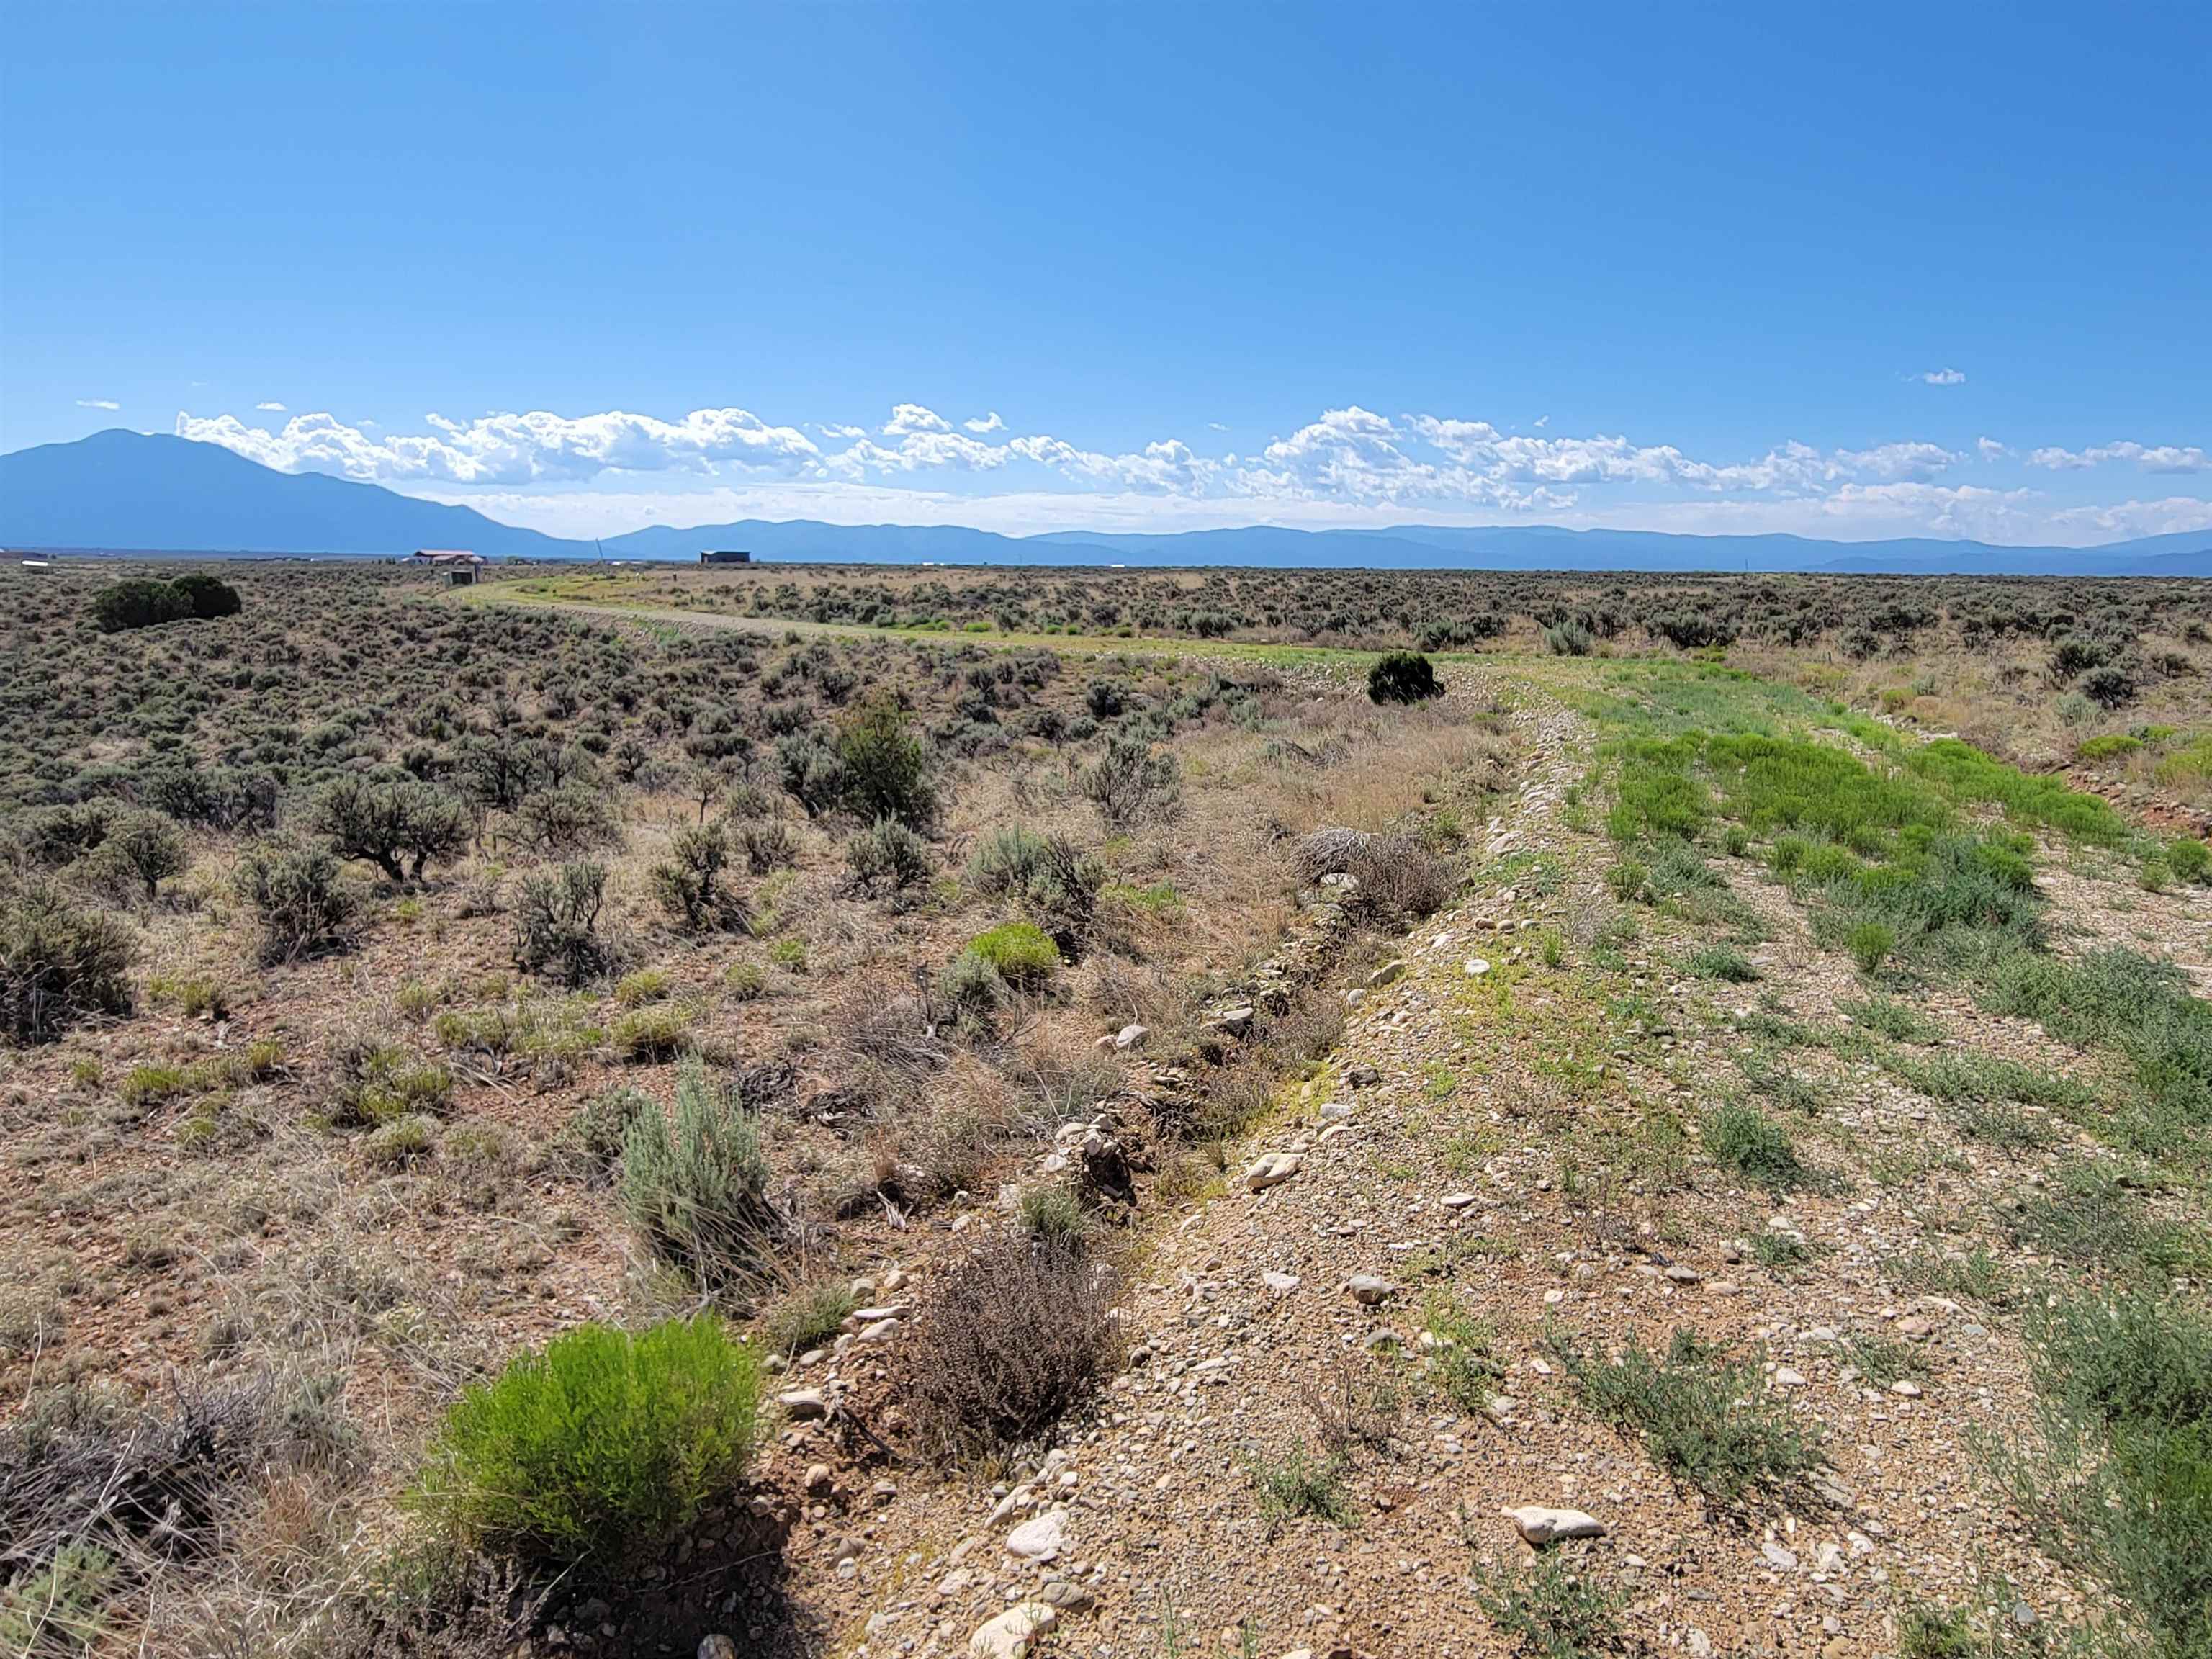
(1929, 269)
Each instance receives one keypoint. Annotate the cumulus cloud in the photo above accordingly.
(97, 403)
(2159, 457)
(270, 409)
(513, 448)
(1945, 377)
(1350, 464)
(906, 418)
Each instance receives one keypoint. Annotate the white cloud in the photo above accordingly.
(1945, 377)
(270, 409)
(512, 448)
(97, 403)
(2132, 519)
(909, 418)
(2161, 458)
(1351, 465)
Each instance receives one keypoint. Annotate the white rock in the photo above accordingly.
(1012, 1634)
(1041, 1537)
(804, 1403)
(1281, 1283)
(1388, 974)
(1130, 1036)
(1541, 1524)
(1476, 967)
(1787, 1377)
(1272, 1169)
(1781, 1559)
(1368, 1291)
(717, 1646)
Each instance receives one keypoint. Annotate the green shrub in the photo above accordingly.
(1052, 1213)
(1870, 944)
(556, 924)
(402, 1141)
(887, 857)
(646, 985)
(807, 1316)
(696, 1188)
(1708, 1420)
(62, 1608)
(2123, 1481)
(1569, 639)
(152, 1083)
(206, 596)
(973, 987)
(136, 602)
(1019, 953)
(2190, 860)
(398, 824)
(1553, 1608)
(142, 849)
(1898, 1021)
(1929, 1630)
(58, 964)
(1723, 961)
(1057, 886)
(1626, 879)
(1745, 1140)
(589, 1143)
(658, 1031)
(297, 896)
(379, 1082)
(789, 953)
(689, 884)
(1131, 783)
(601, 1449)
(885, 768)
(745, 981)
(1301, 1483)
(1402, 676)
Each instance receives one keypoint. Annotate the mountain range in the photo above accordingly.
(118, 491)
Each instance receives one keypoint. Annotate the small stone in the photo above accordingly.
(1907, 1390)
(1235, 1022)
(1388, 974)
(1012, 1635)
(1788, 1378)
(1458, 1200)
(1476, 967)
(1363, 1077)
(1914, 1328)
(1281, 1283)
(818, 1479)
(1131, 1036)
(1541, 1524)
(717, 1646)
(803, 1404)
(1272, 1169)
(1781, 1559)
(1682, 1275)
(1041, 1537)
(1368, 1291)
(1066, 1597)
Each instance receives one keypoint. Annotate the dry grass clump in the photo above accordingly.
(1012, 1337)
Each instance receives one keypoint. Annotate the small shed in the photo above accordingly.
(724, 555)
